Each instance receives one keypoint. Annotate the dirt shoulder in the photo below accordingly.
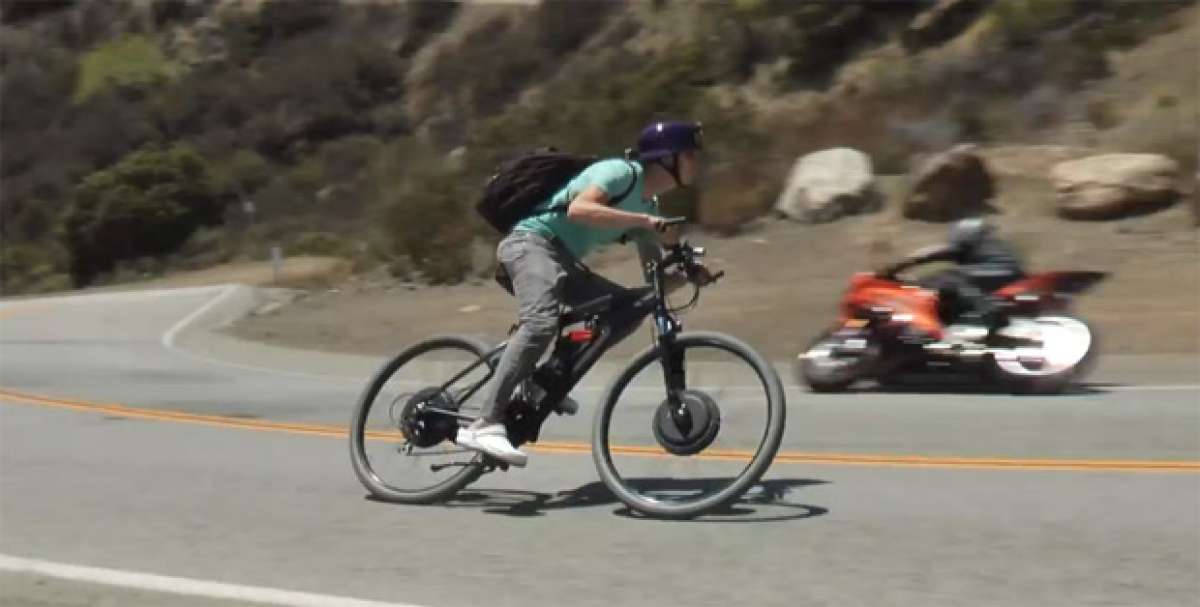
(784, 280)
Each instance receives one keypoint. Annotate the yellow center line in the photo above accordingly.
(20, 308)
(783, 457)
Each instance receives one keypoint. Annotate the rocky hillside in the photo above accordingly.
(142, 136)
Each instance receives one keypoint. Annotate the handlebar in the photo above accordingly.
(667, 222)
(687, 258)
(674, 221)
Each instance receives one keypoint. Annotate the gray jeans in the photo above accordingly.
(545, 277)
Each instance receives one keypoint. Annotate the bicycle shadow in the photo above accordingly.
(762, 503)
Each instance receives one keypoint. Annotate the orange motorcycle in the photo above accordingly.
(891, 330)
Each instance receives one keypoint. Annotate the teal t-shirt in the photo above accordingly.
(613, 177)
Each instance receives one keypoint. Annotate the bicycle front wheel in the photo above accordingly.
(685, 456)
(402, 433)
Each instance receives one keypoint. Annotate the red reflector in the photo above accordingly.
(580, 336)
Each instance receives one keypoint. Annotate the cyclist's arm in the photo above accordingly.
(590, 207)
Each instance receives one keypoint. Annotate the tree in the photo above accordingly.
(148, 204)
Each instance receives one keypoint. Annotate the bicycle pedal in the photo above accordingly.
(491, 465)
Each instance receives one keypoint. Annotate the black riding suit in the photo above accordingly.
(982, 267)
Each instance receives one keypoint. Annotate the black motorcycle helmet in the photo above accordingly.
(968, 233)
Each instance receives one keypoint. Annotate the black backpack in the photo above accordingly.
(521, 184)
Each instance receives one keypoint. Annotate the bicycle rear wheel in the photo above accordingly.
(402, 432)
(685, 458)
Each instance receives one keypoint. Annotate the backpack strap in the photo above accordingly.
(628, 190)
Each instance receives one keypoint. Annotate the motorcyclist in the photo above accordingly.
(984, 263)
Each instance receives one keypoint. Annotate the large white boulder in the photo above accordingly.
(829, 184)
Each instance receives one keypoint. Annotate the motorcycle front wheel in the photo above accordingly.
(828, 365)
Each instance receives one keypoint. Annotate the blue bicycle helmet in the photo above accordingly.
(668, 139)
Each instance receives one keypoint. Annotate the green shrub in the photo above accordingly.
(1022, 21)
(51, 283)
(241, 174)
(431, 223)
(23, 267)
(390, 119)
(146, 205)
(287, 18)
(278, 199)
(20, 10)
(1102, 114)
(623, 94)
(560, 27)
(344, 159)
(308, 176)
(306, 92)
(38, 82)
(29, 219)
(320, 243)
(129, 61)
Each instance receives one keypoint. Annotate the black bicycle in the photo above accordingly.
(687, 426)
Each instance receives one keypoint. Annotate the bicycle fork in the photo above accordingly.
(674, 373)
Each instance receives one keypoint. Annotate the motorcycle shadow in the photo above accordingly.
(766, 501)
(974, 388)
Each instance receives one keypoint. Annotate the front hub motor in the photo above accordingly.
(420, 425)
(689, 427)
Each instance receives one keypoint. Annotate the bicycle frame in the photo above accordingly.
(614, 325)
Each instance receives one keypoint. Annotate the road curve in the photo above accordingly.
(137, 446)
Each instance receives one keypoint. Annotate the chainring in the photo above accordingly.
(691, 430)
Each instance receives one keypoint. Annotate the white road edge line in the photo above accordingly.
(168, 338)
(168, 342)
(183, 586)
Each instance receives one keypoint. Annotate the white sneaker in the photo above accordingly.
(492, 440)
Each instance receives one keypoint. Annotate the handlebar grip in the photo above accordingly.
(667, 222)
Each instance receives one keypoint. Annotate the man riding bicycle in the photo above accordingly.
(610, 199)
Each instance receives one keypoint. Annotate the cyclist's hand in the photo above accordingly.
(664, 225)
(654, 223)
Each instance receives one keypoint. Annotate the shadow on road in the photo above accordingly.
(978, 388)
(766, 501)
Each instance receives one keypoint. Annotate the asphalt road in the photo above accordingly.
(145, 460)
